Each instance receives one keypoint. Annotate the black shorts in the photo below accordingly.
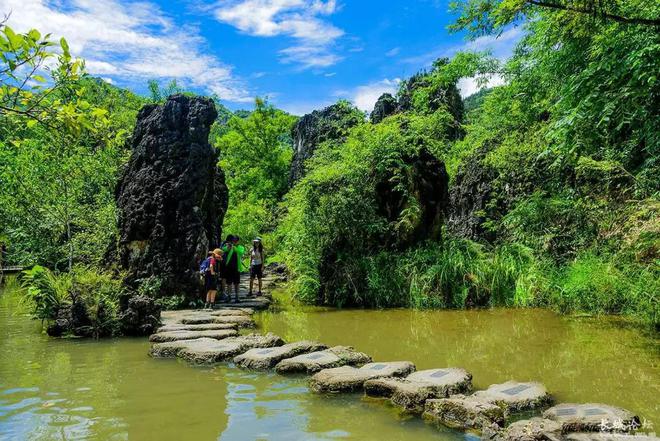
(210, 282)
(257, 271)
(232, 277)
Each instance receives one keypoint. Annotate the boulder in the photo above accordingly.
(608, 436)
(334, 357)
(412, 392)
(217, 334)
(222, 350)
(461, 412)
(329, 124)
(171, 198)
(267, 358)
(349, 378)
(199, 327)
(384, 107)
(592, 417)
(139, 315)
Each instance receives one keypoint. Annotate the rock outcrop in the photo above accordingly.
(329, 124)
(470, 199)
(172, 198)
(428, 183)
(385, 106)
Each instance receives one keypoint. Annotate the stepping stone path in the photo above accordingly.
(334, 357)
(592, 418)
(217, 334)
(349, 378)
(267, 358)
(486, 407)
(211, 336)
(412, 392)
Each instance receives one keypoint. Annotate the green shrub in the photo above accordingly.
(86, 298)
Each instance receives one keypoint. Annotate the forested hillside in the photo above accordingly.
(543, 191)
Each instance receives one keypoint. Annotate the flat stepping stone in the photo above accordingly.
(464, 412)
(516, 397)
(411, 392)
(258, 303)
(333, 357)
(534, 429)
(200, 327)
(221, 350)
(592, 417)
(230, 312)
(217, 334)
(349, 378)
(240, 320)
(267, 358)
(171, 349)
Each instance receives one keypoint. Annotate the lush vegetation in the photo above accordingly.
(570, 145)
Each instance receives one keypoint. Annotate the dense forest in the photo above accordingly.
(552, 179)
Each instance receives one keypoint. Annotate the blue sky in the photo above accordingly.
(302, 54)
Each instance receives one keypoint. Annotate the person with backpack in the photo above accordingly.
(257, 260)
(233, 264)
(210, 267)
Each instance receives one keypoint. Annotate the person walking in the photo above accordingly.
(233, 252)
(212, 267)
(257, 260)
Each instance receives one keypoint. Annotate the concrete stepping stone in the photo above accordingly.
(534, 429)
(592, 417)
(258, 303)
(229, 311)
(267, 358)
(200, 327)
(461, 412)
(240, 320)
(516, 397)
(349, 378)
(487, 407)
(222, 350)
(217, 334)
(333, 357)
(411, 392)
(172, 348)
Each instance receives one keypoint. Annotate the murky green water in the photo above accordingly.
(111, 390)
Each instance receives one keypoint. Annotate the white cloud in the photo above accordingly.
(299, 19)
(133, 42)
(393, 52)
(469, 86)
(500, 47)
(364, 97)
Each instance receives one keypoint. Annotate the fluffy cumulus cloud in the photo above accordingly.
(135, 42)
(365, 96)
(305, 21)
(469, 86)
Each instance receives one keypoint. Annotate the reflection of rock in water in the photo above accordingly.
(171, 198)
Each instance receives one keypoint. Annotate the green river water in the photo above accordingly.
(111, 390)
